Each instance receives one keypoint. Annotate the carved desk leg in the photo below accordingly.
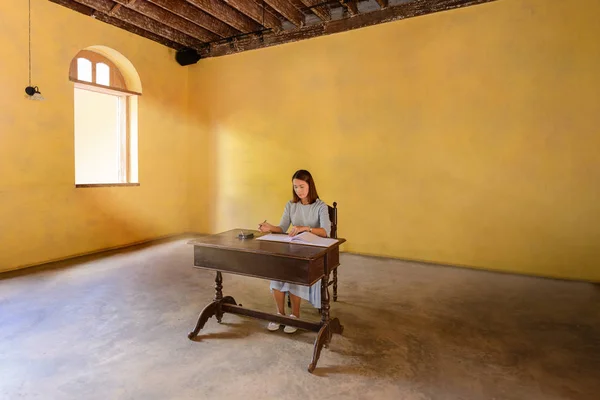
(328, 327)
(219, 295)
(212, 308)
(335, 284)
(207, 312)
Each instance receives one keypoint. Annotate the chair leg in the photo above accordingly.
(335, 284)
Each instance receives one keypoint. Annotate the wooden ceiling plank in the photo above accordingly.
(114, 9)
(391, 13)
(382, 3)
(74, 6)
(138, 31)
(256, 12)
(227, 14)
(271, 10)
(143, 22)
(288, 11)
(197, 16)
(351, 6)
(320, 11)
(174, 21)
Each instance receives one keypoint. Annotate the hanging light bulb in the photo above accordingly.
(33, 93)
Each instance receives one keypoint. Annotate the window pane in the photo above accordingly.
(102, 74)
(84, 69)
(97, 137)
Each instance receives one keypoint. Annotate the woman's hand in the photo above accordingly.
(298, 229)
(265, 227)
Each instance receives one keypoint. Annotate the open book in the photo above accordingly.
(303, 238)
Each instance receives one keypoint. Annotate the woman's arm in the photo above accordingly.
(324, 221)
(283, 224)
(267, 227)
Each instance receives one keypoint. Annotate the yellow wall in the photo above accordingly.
(42, 216)
(468, 137)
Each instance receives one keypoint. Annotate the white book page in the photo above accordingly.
(272, 237)
(303, 238)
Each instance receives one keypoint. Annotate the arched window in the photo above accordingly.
(105, 122)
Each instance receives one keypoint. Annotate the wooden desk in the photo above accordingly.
(294, 263)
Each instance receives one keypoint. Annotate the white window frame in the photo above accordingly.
(127, 144)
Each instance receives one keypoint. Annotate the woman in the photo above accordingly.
(306, 213)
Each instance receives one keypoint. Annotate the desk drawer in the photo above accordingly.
(265, 266)
(333, 258)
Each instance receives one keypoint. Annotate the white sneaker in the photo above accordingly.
(273, 326)
(290, 329)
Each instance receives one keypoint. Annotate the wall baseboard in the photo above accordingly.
(473, 268)
(44, 264)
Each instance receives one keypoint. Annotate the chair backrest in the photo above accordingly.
(333, 219)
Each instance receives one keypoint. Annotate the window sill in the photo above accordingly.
(92, 185)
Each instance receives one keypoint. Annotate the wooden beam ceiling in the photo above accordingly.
(107, 8)
(321, 11)
(221, 27)
(257, 13)
(351, 6)
(227, 14)
(157, 13)
(287, 10)
(197, 16)
(391, 13)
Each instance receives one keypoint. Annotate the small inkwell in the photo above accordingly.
(245, 235)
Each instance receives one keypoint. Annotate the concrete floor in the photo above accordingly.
(115, 327)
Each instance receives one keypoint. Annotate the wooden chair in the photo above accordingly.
(333, 218)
